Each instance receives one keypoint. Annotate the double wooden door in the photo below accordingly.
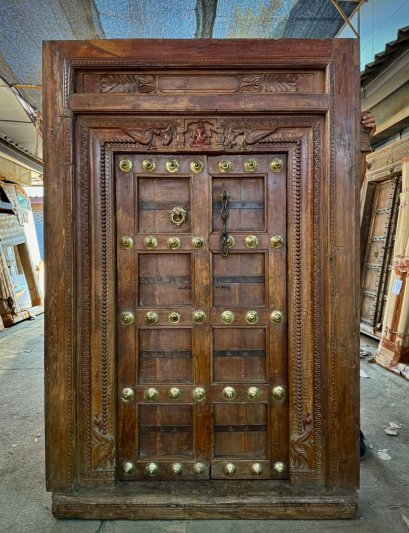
(201, 285)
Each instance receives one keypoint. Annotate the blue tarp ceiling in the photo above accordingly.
(24, 24)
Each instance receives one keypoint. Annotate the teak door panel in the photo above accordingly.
(226, 431)
(141, 418)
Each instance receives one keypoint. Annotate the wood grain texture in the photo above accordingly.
(315, 430)
(203, 500)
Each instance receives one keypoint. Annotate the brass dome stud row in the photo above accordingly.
(254, 393)
(251, 317)
(175, 393)
(250, 165)
(196, 166)
(152, 318)
(172, 165)
(153, 469)
(199, 317)
(256, 469)
(152, 394)
(151, 243)
(174, 243)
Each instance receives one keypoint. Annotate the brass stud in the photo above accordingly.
(152, 469)
(149, 165)
(151, 318)
(127, 394)
(125, 165)
(231, 241)
(227, 317)
(225, 165)
(151, 394)
(199, 469)
(276, 317)
(250, 165)
(128, 468)
(127, 242)
(127, 318)
(229, 393)
(174, 243)
(279, 393)
(276, 164)
(174, 393)
(199, 394)
(196, 166)
(177, 469)
(256, 469)
(198, 243)
(253, 393)
(172, 166)
(199, 316)
(174, 317)
(150, 242)
(277, 241)
(230, 469)
(251, 241)
(252, 317)
(279, 467)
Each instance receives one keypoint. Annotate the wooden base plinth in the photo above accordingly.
(205, 500)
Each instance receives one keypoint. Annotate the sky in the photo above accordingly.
(379, 24)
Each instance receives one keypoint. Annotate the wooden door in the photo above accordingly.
(377, 265)
(201, 275)
(131, 399)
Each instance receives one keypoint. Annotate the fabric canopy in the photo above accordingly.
(24, 24)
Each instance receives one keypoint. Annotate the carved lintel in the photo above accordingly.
(273, 82)
(302, 446)
(103, 446)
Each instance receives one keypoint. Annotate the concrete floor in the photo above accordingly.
(25, 506)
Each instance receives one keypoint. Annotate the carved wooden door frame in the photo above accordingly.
(104, 97)
(382, 165)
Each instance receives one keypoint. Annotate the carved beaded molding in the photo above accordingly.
(170, 135)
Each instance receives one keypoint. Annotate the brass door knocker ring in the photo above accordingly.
(178, 215)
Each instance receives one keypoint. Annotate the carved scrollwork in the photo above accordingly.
(128, 83)
(103, 446)
(279, 82)
(302, 446)
(150, 136)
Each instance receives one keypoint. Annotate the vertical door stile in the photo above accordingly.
(127, 298)
(201, 302)
(277, 301)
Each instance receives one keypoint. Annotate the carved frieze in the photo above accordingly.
(276, 82)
